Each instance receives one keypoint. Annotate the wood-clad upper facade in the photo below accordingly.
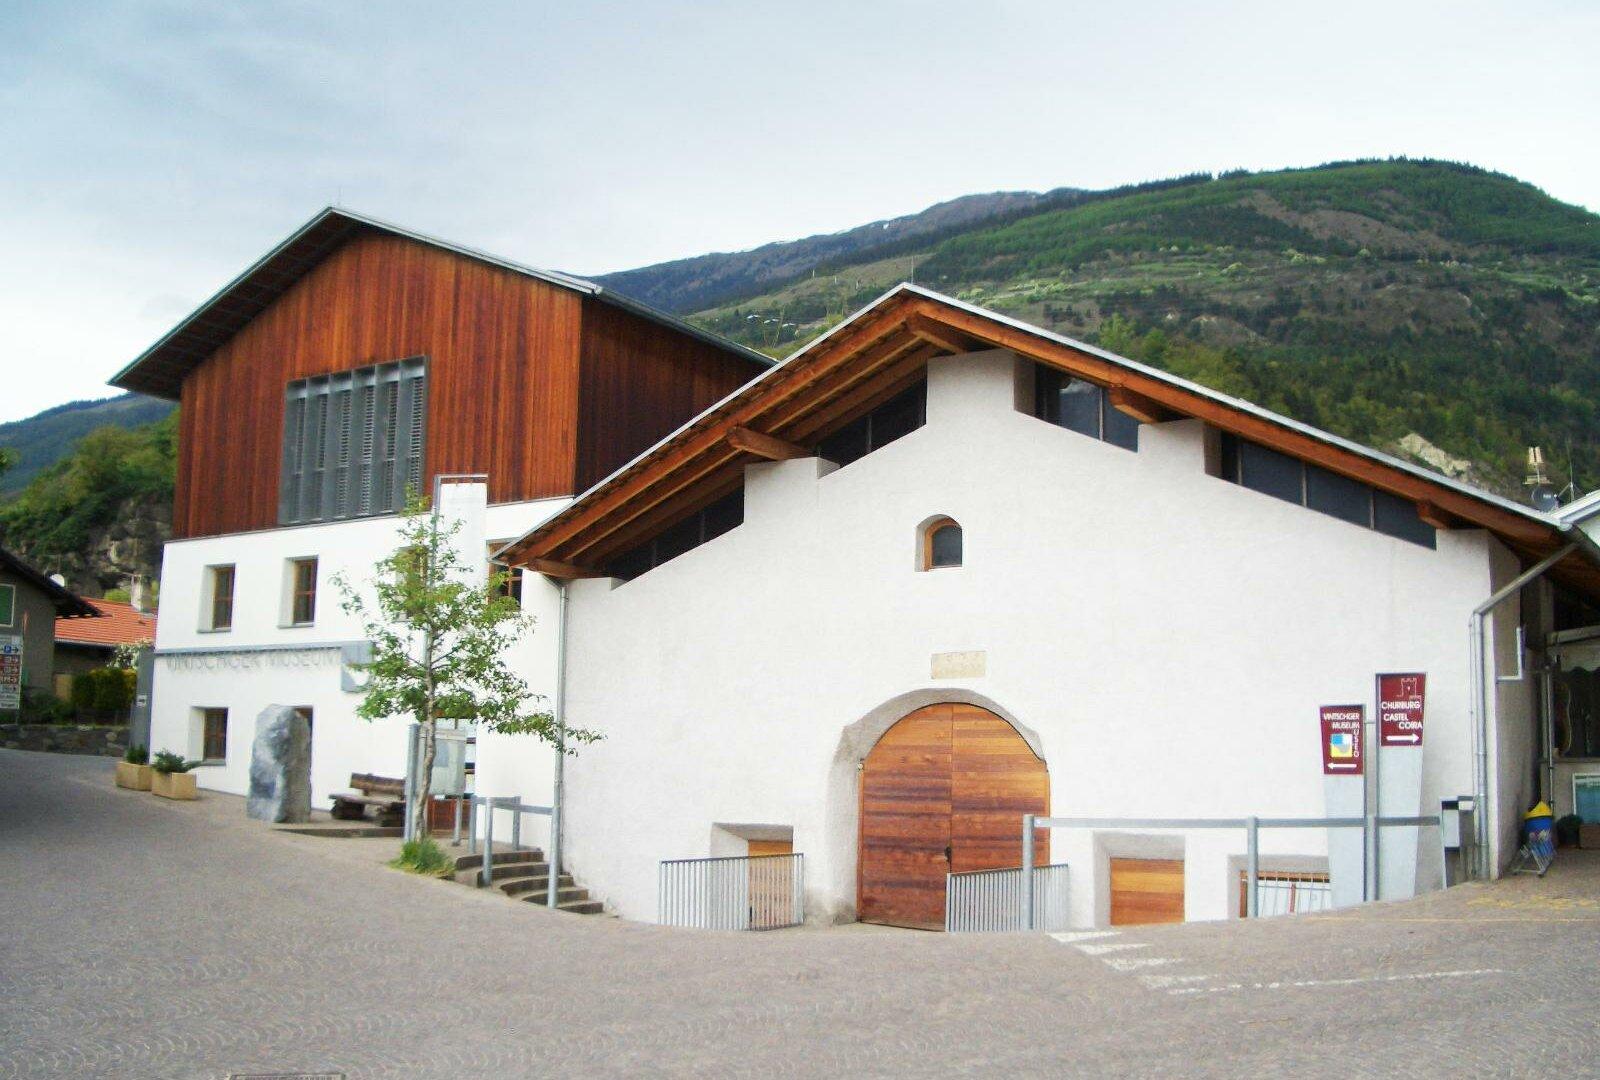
(542, 382)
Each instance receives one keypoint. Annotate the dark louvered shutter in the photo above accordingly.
(353, 442)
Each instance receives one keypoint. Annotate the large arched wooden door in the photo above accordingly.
(943, 791)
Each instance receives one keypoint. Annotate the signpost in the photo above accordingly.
(10, 672)
(1343, 739)
(1397, 780)
(1344, 789)
(1400, 699)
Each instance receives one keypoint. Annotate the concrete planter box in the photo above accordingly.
(133, 777)
(176, 785)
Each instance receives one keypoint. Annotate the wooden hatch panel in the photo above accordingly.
(1145, 891)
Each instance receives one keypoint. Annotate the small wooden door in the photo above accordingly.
(943, 791)
(1146, 891)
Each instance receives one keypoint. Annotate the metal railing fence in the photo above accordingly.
(740, 892)
(513, 803)
(990, 901)
(1252, 827)
(1291, 894)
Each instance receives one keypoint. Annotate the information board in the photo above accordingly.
(10, 671)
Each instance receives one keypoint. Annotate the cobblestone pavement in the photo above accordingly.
(144, 938)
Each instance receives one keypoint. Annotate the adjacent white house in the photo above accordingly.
(937, 570)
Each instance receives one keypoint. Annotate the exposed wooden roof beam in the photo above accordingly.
(561, 570)
(763, 445)
(1432, 515)
(937, 333)
(1134, 404)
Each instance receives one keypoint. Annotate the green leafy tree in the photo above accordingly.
(438, 644)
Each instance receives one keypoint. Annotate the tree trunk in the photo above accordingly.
(425, 781)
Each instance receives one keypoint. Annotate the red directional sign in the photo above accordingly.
(1400, 699)
(1343, 736)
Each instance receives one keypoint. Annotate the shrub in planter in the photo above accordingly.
(134, 771)
(171, 777)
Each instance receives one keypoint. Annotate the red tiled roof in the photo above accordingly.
(120, 625)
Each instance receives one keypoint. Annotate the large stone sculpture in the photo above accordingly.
(280, 767)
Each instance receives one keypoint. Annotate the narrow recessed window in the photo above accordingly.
(214, 734)
(894, 419)
(222, 578)
(510, 584)
(1081, 406)
(302, 591)
(941, 544)
(1283, 477)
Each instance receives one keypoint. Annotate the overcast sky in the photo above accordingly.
(149, 152)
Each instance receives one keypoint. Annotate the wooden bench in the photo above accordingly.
(386, 793)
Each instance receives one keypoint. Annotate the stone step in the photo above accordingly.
(501, 858)
(567, 894)
(533, 883)
(583, 907)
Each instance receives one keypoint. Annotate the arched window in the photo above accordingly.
(941, 544)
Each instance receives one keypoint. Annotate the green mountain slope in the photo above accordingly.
(1428, 308)
(45, 438)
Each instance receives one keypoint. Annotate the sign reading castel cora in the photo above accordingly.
(1400, 699)
(1342, 739)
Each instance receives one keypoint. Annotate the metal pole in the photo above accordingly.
(409, 832)
(486, 878)
(558, 797)
(1373, 835)
(1027, 871)
(1252, 865)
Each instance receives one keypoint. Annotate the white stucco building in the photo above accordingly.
(936, 570)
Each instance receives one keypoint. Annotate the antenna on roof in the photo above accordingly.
(1540, 493)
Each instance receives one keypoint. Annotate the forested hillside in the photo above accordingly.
(1423, 307)
(44, 438)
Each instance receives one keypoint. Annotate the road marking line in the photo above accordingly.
(1161, 982)
(1070, 936)
(1136, 964)
(1300, 983)
(1115, 946)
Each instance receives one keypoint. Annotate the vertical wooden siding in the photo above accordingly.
(502, 351)
(639, 382)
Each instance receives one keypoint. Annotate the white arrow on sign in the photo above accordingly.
(1341, 764)
(1390, 740)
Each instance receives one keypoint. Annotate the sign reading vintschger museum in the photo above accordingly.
(10, 671)
(1400, 699)
(1342, 739)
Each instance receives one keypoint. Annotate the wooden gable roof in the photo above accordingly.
(870, 356)
(161, 369)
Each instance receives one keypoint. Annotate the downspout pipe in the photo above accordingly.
(1480, 667)
(558, 793)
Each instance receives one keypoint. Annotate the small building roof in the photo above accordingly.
(160, 370)
(870, 355)
(68, 604)
(119, 624)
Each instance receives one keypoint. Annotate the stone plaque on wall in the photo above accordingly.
(972, 664)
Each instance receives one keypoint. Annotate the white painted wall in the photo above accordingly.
(267, 663)
(1163, 636)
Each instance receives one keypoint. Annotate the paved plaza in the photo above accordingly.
(144, 938)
